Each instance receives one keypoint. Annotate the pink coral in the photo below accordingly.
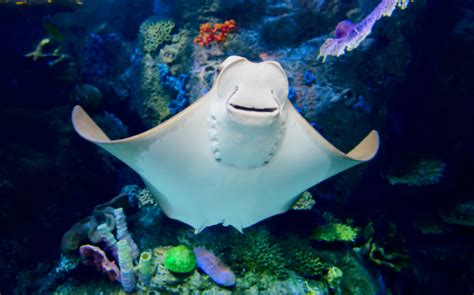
(93, 255)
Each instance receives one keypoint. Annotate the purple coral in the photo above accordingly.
(214, 268)
(349, 36)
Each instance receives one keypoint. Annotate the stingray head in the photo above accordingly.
(248, 112)
(252, 93)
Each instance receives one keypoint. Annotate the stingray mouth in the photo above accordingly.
(253, 109)
(252, 115)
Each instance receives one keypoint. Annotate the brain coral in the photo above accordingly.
(153, 32)
(180, 259)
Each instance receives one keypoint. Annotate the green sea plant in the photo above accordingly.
(333, 232)
(180, 259)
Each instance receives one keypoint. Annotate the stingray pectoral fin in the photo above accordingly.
(366, 149)
(363, 152)
(329, 160)
(127, 149)
(86, 127)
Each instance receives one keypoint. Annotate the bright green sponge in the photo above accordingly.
(180, 259)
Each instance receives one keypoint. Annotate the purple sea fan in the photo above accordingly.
(349, 36)
(214, 268)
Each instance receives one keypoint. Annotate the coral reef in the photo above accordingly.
(256, 252)
(177, 85)
(148, 98)
(302, 258)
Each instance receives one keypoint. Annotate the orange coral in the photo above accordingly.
(214, 33)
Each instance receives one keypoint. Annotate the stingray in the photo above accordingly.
(240, 154)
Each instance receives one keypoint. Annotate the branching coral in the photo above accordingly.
(256, 252)
(349, 35)
(153, 32)
(302, 258)
(214, 33)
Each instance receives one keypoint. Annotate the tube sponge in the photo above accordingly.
(145, 267)
(122, 232)
(349, 36)
(127, 274)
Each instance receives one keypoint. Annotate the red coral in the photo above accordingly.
(93, 255)
(214, 33)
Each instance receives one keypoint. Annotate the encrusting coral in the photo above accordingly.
(154, 32)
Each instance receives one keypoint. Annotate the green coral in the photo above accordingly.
(335, 232)
(256, 252)
(302, 258)
(180, 259)
(153, 32)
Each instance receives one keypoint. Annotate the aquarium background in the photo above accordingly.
(400, 224)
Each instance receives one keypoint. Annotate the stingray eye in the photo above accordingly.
(218, 70)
